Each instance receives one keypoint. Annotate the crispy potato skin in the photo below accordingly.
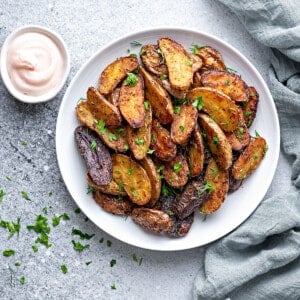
(112, 188)
(228, 83)
(211, 59)
(196, 154)
(240, 137)
(250, 158)
(219, 106)
(250, 107)
(102, 109)
(114, 96)
(183, 124)
(219, 180)
(152, 60)
(139, 138)
(176, 178)
(161, 142)
(217, 142)
(159, 98)
(176, 93)
(113, 204)
(115, 72)
(131, 103)
(111, 137)
(133, 177)
(153, 175)
(180, 70)
(152, 220)
(197, 80)
(197, 62)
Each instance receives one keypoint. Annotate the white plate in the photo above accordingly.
(237, 206)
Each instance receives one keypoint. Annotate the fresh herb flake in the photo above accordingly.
(150, 151)
(77, 211)
(100, 125)
(163, 77)
(139, 141)
(93, 145)
(113, 262)
(35, 248)
(147, 105)
(24, 143)
(88, 262)
(82, 235)
(25, 196)
(22, 280)
(131, 80)
(8, 252)
(177, 167)
(77, 246)
(64, 269)
(113, 287)
(198, 103)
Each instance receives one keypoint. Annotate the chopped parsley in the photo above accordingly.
(130, 171)
(133, 54)
(24, 143)
(17, 264)
(113, 287)
(207, 187)
(77, 211)
(227, 82)
(101, 240)
(248, 113)
(77, 246)
(135, 44)
(82, 235)
(8, 178)
(64, 269)
(100, 125)
(188, 62)
(136, 259)
(35, 248)
(198, 103)
(215, 140)
(139, 141)
(90, 189)
(181, 127)
(177, 167)
(112, 137)
(88, 262)
(195, 48)
(50, 194)
(163, 77)
(179, 101)
(11, 226)
(8, 252)
(150, 151)
(93, 145)
(153, 137)
(257, 134)
(22, 280)
(143, 52)
(249, 123)
(44, 240)
(126, 147)
(160, 168)
(241, 129)
(108, 243)
(25, 196)
(231, 70)
(176, 109)
(256, 155)
(113, 262)
(147, 105)
(2, 194)
(56, 219)
(131, 80)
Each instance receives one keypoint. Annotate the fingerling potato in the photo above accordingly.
(250, 107)
(211, 59)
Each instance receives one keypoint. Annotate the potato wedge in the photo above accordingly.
(197, 62)
(153, 60)
(176, 93)
(250, 158)
(196, 152)
(228, 83)
(197, 80)
(219, 106)
(113, 204)
(133, 177)
(114, 96)
(217, 184)
(176, 171)
(183, 124)
(161, 142)
(240, 137)
(153, 175)
(250, 107)
(180, 72)
(211, 59)
(112, 188)
(139, 138)
(131, 103)
(217, 141)
(159, 98)
(102, 109)
(115, 72)
(114, 138)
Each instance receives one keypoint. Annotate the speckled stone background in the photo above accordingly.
(86, 26)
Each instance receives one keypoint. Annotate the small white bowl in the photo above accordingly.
(3, 63)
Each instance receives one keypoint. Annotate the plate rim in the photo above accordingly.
(158, 30)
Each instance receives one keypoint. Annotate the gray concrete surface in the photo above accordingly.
(86, 26)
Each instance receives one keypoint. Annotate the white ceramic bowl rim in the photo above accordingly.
(3, 64)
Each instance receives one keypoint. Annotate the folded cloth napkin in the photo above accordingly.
(261, 258)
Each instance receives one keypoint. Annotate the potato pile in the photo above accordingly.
(168, 136)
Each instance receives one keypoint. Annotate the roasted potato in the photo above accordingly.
(181, 228)
(95, 155)
(176, 93)
(250, 107)
(102, 109)
(131, 102)
(115, 72)
(217, 184)
(219, 106)
(113, 204)
(217, 141)
(183, 124)
(196, 152)
(153, 175)
(112, 188)
(114, 97)
(250, 158)
(228, 83)
(152, 220)
(161, 142)
(153, 60)
(139, 138)
(133, 177)
(159, 98)
(176, 171)
(197, 80)
(197, 62)
(180, 72)
(114, 138)
(211, 59)
(240, 137)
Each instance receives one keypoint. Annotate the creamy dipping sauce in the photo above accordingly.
(34, 63)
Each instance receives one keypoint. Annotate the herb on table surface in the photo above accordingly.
(17, 264)
(136, 259)
(83, 236)
(257, 134)
(2, 194)
(108, 243)
(56, 219)
(64, 269)
(77, 246)
(25, 196)
(24, 143)
(22, 280)
(77, 211)
(8, 252)
(101, 240)
(113, 262)
(131, 80)
(8, 178)
(50, 194)
(35, 248)
(113, 287)
(11, 226)
(88, 262)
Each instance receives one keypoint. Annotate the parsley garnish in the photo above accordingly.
(108, 243)
(113, 262)
(215, 140)
(248, 113)
(135, 44)
(113, 287)
(176, 110)
(130, 171)
(188, 62)
(143, 52)
(35, 248)
(207, 187)
(198, 103)
(160, 168)
(146, 105)
(112, 137)
(25, 196)
(195, 48)
(8, 178)
(8, 252)
(139, 141)
(177, 167)
(77, 211)
(150, 151)
(126, 147)
(24, 143)
(50, 194)
(101, 240)
(83, 236)
(56, 219)
(22, 280)
(227, 82)
(131, 80)
(181, 127)
(77, 246)
(100, 124)
(17, 264)
(88, 262)
(163, 77)
(64, 269)
(90, 189)
(231, 70)
(255, 155)
(11, 226)
(257, 134)
(136, 259)
(93, 145)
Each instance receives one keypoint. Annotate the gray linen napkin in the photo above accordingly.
(261, 259)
